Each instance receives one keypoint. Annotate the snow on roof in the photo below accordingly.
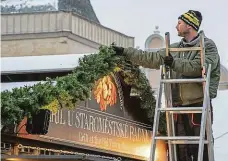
(10, 85)
(28, 64)
(28, 3)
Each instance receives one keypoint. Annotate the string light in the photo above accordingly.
(21, 147)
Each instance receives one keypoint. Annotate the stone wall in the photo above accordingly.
(44, 46)
(52, 22)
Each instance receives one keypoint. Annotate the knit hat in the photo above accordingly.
(192, 18)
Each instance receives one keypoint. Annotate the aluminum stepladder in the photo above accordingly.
(205, 126)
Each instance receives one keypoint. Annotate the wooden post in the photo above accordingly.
(15, 149)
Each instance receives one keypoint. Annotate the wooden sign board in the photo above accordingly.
(101, 124)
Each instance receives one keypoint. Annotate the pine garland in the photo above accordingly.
(66, 91)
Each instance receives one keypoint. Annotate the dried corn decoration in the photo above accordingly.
(105, 92)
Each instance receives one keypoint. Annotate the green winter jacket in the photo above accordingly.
(185, 65)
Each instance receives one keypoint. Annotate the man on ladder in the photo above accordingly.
(185, 64)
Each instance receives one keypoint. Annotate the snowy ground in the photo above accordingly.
(220, 125)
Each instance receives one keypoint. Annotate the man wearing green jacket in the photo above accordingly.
(184, 65)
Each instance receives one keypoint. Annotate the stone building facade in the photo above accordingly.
(55, 33)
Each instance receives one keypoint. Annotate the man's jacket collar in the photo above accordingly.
(194, 42)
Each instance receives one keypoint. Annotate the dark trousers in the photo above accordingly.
(186, 126)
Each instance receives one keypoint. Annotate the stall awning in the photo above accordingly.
(34, 64)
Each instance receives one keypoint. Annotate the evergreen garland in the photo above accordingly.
(67, 90)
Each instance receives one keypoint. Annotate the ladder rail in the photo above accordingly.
(203, 117)
(156, 121)
(205, 127)
(169, 124)
(173, 131)
(168, 103)
(210, 146)
(202, 54)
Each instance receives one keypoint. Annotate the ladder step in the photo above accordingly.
(181, 139)
(186, 142)
(199, 80)
(182, 109)
(184, 49)
(175, 138)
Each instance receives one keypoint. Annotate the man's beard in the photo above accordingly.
(179, 33)
(183, 34)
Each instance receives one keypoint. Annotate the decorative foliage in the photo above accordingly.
(66, 91)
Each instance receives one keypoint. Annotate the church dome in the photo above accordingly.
(155, 40)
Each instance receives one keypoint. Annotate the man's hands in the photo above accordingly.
(168, 60)
(118, 50)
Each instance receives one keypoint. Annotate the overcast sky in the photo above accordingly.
(138, 18)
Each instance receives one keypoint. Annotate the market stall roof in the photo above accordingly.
(38, 64)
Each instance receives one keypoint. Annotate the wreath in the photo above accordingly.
(66, 91)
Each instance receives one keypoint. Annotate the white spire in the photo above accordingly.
(156, 31)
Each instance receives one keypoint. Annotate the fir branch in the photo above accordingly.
(76, 86)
